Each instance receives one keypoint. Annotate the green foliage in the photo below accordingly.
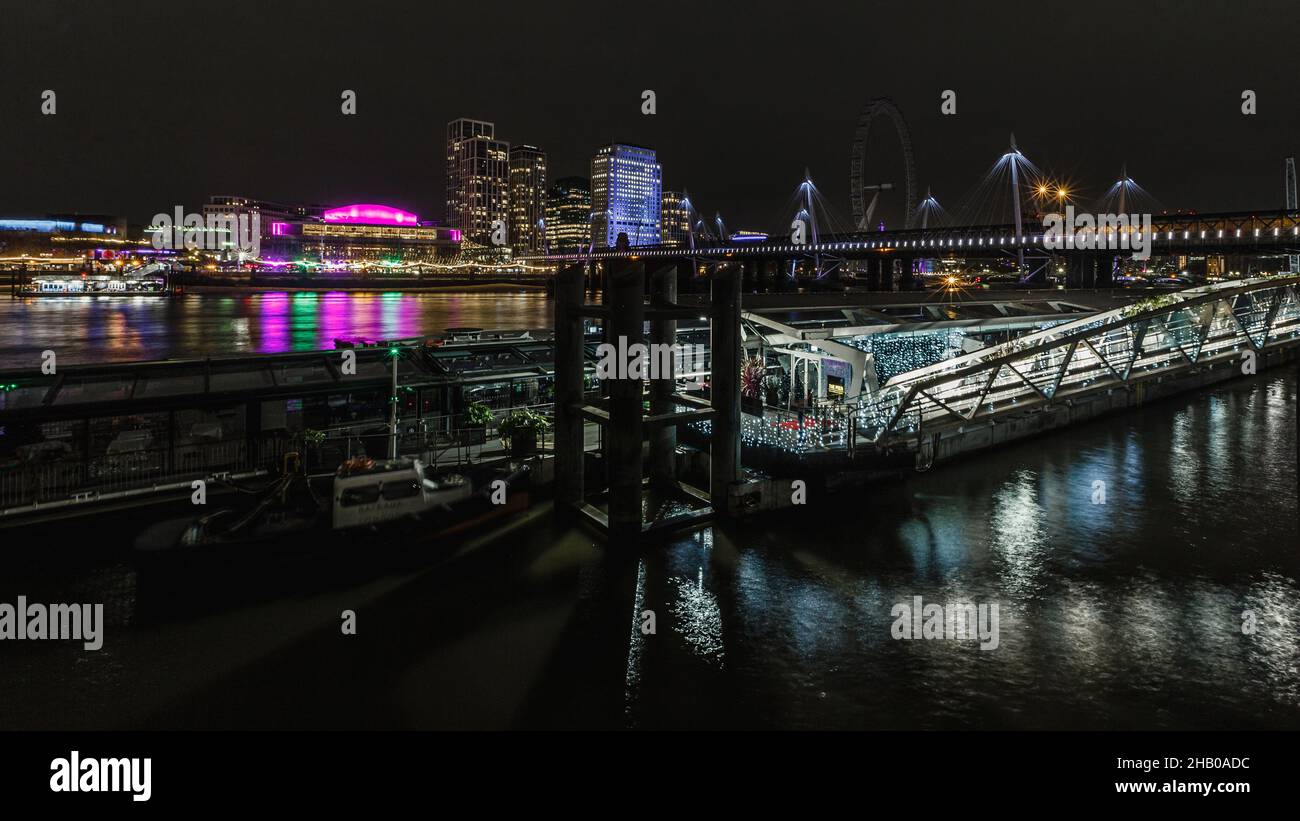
(479, 415)
(523, 420)
(1150, 304)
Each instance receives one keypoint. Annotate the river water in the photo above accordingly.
(1172, 602)
(103, 329)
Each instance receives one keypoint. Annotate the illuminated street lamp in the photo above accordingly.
(395, 352)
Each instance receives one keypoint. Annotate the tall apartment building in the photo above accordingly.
(674, 219)
(626, 185)
(568, 214)
(478, 180)
(527, 198)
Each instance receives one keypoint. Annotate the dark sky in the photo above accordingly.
(165, 103)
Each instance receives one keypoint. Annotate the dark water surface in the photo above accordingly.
(1122, 615)
(1127, 614)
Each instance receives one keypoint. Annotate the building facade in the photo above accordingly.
(674, 219)
(568, 214)
(357, 236)
(527, 199)
(233, 205)
(64, 241)
(626, 186)
(478, 180)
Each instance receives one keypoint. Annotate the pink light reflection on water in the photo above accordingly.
(116, 329)
(336, 318)
(273, 322)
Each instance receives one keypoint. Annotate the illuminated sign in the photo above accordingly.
(367, 214)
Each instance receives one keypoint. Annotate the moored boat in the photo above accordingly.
(367, 504)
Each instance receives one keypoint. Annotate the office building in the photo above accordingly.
(626, 185)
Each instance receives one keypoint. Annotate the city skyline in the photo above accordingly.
(741, 159)
(926, 369)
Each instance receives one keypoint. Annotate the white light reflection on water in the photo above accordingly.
(698, 618)
(1274, 649)
(1019, 536)
(1185, 464)
(636, 647)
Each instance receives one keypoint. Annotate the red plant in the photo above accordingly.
(752, 372)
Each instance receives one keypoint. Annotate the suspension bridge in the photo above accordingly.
(1004, 218)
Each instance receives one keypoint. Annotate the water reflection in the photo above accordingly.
(89, 329)
(1018, 536)
(698, 620)
(1126, 614)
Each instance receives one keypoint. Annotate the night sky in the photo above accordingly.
(166, 103)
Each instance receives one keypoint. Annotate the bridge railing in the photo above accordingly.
(1169, 233)
(1150, 336)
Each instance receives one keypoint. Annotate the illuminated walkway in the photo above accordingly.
(1233, 325)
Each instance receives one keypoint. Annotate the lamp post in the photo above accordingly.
(392, 410)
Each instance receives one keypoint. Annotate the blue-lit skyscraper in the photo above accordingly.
(626, 184)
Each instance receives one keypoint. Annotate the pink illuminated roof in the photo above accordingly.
(369, 214)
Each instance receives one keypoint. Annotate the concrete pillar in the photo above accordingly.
(724, 447)
(624, 295)
(569, 297)
(686, 271)
(663, 441)
(1105, 269)
(1088, 269)
(907, 279)
(1074, 275)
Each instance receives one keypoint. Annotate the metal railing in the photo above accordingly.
(1150, 338)
(437, 439)
(23, 485)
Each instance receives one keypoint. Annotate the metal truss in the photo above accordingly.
(1152, 337)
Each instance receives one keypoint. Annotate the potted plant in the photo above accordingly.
(520, 429)
(752, 373)
(478, 418)
(316, 452)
